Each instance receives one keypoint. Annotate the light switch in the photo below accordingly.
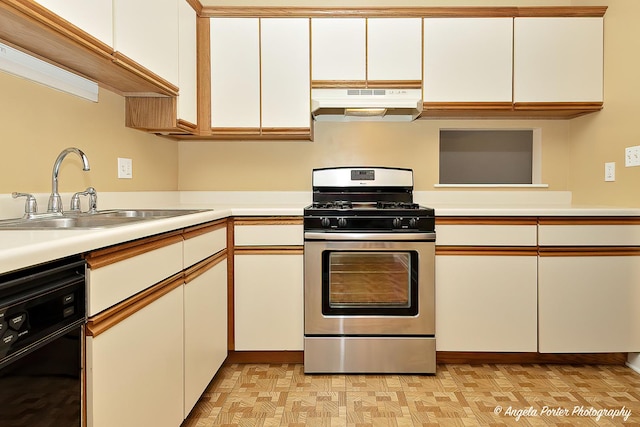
(125, 168)
(610, 171)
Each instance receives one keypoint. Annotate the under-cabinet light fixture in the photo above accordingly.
(365, 112)
(20, 64)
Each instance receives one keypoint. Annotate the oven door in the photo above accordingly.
(369, 284)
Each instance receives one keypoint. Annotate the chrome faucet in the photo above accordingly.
(55, 202)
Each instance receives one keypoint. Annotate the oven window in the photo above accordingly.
(370, 283)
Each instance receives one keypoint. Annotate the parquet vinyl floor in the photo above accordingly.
(247, 395)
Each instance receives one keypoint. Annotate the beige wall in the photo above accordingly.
(602, 137)
(287, 165)
(37, 122)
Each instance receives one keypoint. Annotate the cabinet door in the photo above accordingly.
(147, 32)
(285, 72)
(235, 72)
(187, 71)
(558, 59)
(268, 302)
(467, 59)
(205, 329)
(589, 304)
(338, 49)
(93, 16)
(394, 49)
(135, 368)
(486, 303)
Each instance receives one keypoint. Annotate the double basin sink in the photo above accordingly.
(98, 219)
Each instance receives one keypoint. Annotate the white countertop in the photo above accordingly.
(23, 248)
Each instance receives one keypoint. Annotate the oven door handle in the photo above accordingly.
(430, 237)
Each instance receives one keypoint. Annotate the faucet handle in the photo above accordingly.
(93, 200)
(75, 201)
(30, 205)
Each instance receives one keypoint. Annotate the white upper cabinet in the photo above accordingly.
(558, 59)
(146, 31)
(359, 49)
(93, 16)
(468, 59)
(394, 49)
(285, 72)
(338, 49)
(260, 73)
(187, 65)
(235, 72)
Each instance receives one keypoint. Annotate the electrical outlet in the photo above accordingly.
(632, 156)
(610, 171)
(125, 168)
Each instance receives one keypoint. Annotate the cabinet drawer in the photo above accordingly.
(202, 242)
(268, 232)
(117, 273)
(486, 235)
(589, 232)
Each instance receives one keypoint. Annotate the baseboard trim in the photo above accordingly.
(475, 358)
(453, 357)
(265, 357)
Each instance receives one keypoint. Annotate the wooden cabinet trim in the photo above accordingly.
(39, 32)
(116, 314)
(499, 220)
(267, 134)
(268, 220)
(269, 250)
(203, 266)
(585, 251)
(103, 257)
(231, 343)
(487, 250)
(45, 17)
(590, 220)
(364, 84)
(203, 50)
(200, 229)
(571, 106)
(560, 11)
(434, 106)
(130, 65)
(403, 12)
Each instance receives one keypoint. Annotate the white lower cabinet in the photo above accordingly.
(205, 327)
(135, 368)
(269, 301)
(589, 304)
(153, 346)
(486, 303)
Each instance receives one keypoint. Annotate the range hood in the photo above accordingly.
(386, 105)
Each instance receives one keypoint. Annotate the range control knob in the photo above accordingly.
(397, 222)
(325, 223)
(342, 222)
(413, 222)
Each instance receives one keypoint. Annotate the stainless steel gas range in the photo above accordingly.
(369, 257)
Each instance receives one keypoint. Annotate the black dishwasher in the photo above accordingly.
(42, 318)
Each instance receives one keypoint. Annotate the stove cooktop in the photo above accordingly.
(367, 199)
(367, 218)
